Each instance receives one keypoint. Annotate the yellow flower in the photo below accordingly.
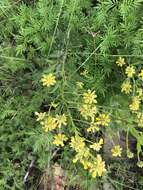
(141, 74)
(103, 120)
(93, 127)
(98, 168)
(49, 124)
(120, 62)
(89, 97)
(97, 146)
(40, 116)
(116, 151)
(82, 151)
(61, 120)
(140, 164)
(86, 110)
(140, 119)
(79, 84)
(126, 87)
(48, 80)
(59, 139)
(130, 154)
(134, 106)
(77, 143)
(130, 71)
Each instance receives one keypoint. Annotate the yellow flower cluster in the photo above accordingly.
(88, 109)
(103, 119)
(77, 143)
(89, 97)
(97, 146)
(49, 122)
(99, 168)
(95, 166)
(130, 71)
(61, 120)
(134, 106)
(116, 151)
(59, 139)
(48, 80)
(82, 152)
(126, 87)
